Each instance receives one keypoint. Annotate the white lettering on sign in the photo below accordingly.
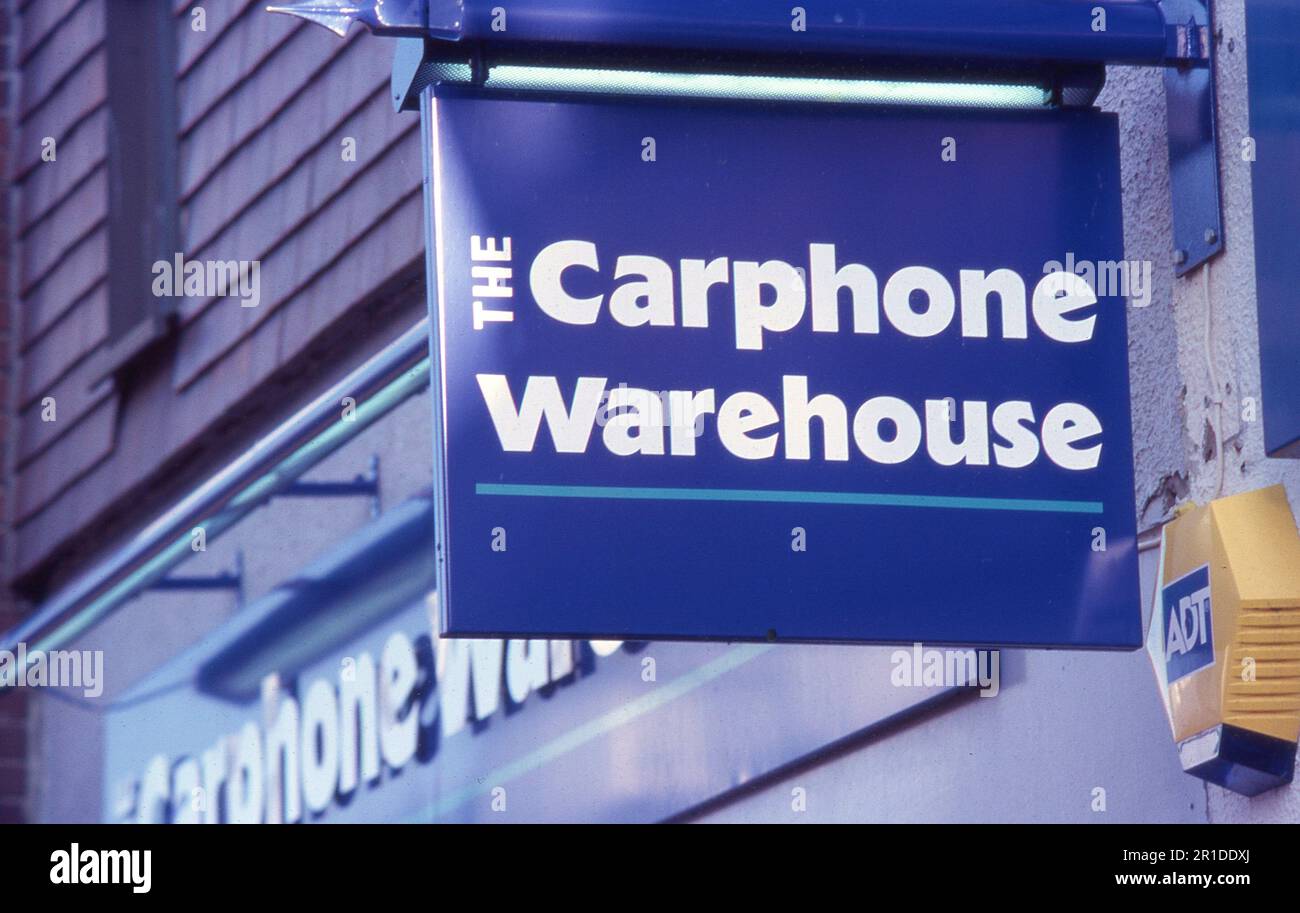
(885, 429)
(772, 297)
(492, 278)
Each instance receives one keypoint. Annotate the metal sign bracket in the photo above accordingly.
(1193, 146)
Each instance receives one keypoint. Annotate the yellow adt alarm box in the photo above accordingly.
(1225, 639)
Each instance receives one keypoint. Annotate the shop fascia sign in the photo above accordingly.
(339, 734)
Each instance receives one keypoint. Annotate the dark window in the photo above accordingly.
(142, 171)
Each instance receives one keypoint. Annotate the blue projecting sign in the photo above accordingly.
(807, 373)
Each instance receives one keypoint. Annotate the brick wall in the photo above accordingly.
(13, 706)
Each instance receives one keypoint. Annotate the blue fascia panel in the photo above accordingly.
(1273, 48)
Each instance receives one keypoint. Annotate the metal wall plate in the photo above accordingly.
(1193, 147)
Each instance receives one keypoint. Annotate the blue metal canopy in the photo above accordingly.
(1066, 31)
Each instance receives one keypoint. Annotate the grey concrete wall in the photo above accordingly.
(1236, 357)
(1173, 399)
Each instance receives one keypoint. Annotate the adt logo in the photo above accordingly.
(1189, 635)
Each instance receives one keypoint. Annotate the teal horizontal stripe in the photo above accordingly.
(871, 499)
